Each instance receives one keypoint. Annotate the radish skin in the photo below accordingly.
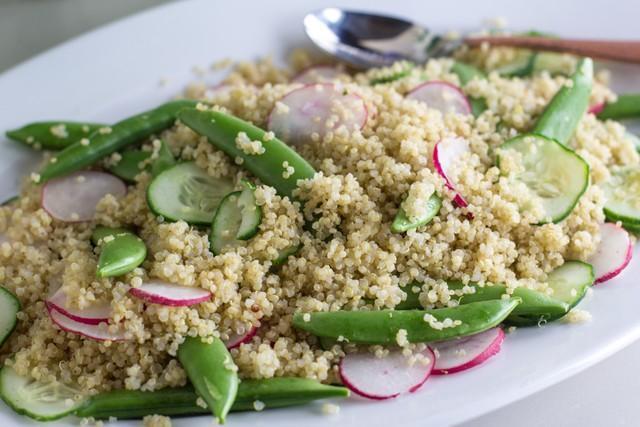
(465, 353)
(596, 109)
(73, 198)
(236, 340)
(170, 294)
(89, 316)
(309, 111)
(94, 332)
(384, 378)
(442, 96)
(445, 154)
(613, 253)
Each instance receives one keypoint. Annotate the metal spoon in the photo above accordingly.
(367, 40)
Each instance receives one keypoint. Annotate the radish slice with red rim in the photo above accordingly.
(316, 109)
(93, 315)
(317, 74)
(164, 293)
(613, 253)
(442, 96)
(73, 198)
(384, 378)
(463, 353)
(235, 340)
(596, 108)
(97, 332)
(445, 154)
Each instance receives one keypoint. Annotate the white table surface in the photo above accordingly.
(604, 395)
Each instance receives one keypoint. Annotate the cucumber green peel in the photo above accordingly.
(622, 193)
(381, 327)
(9, 308)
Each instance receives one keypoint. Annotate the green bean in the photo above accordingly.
(121, 251)
(212, 372)
(85, 152)
(52, 135)
(273, 393)
(466, 73)
(381, 327)
(222, 129)
(560, 119)
(164, 160)
(625, 107)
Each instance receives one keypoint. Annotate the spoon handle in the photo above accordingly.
(617, 50)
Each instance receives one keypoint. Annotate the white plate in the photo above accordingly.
(115, 71)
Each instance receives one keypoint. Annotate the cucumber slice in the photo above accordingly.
(226, 223)
(402, 223)
(9, 308)
(40, 401)
(570, 282)
(185, 192)
(555, 63)
(250, 212)
(521, 66)
(623, 196)
(635, 140)
(553, 172)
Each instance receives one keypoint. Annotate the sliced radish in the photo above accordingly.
(316, 109)
(94, 332)
(383, 378)
(596, 108)
(73, 198)
(441, 96)
(163, 293)
(236, 340)
(317, 74)
(445, 154)
(613, 253)
(461, 354)
(93, 315)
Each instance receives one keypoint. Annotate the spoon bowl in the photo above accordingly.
(367, 40)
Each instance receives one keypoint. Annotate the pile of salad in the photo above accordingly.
(383, 342)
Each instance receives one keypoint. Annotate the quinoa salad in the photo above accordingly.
(308, 232)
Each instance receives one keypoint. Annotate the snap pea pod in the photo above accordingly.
(466, 73)
(381, 327)
(129, 166)
(392, 76)
(121, 251)
(560, 119)
(82, 154)
(52, 135)
(273, 393)
(625, 107)
(212, 372)
(222, 129)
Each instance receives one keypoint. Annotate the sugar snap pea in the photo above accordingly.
(625, 107)
(273, 393)
(87, 151)
(402, 222)
(53, 135)
(466, 73)
(381, 327)
(560, 119)
(222, 129)
(130, 164)
(212, 372)
(121, 251)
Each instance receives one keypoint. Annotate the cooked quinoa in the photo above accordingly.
(349, 259)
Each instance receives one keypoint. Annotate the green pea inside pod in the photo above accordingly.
(120, 251)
